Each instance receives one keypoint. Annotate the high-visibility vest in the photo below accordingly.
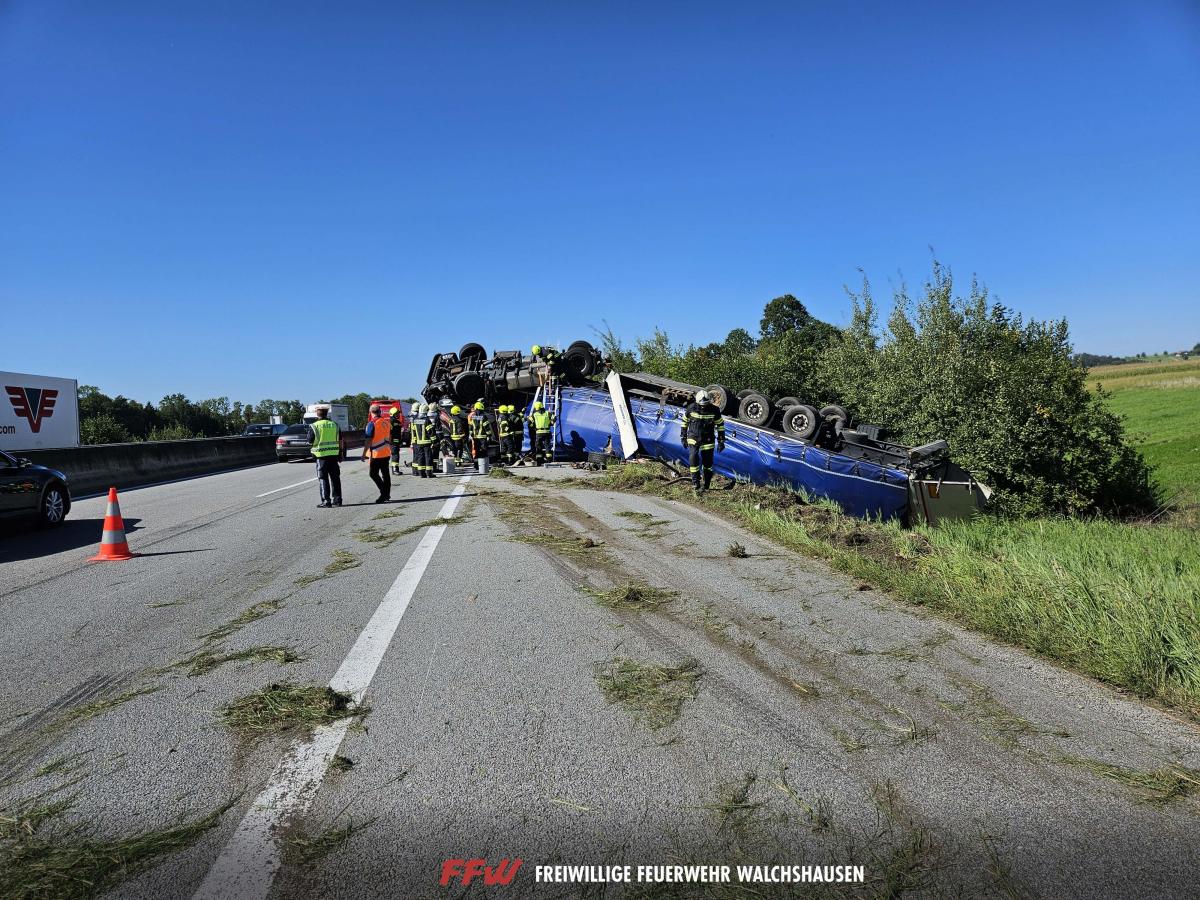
(542, 421)
(422, 432)
(381, 440)
(327, 443)
(456, 428)
(480, 426)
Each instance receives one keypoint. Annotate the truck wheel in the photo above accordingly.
(578, 362)
(741, 395)
(468, 387)
(582, 345)
(834, 410)
(800, 421)
(755, 409)
(720, 396)
(784, 402)
(472, 351)
(54, 507)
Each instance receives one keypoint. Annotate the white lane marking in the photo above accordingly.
(246, 867)
(286, 487)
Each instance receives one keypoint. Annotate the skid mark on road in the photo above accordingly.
(247, 866)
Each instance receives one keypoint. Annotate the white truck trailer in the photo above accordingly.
(338, 413)
(38, 412)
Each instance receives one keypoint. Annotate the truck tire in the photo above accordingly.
(720, 396)
(468, 387)
(578, 363)
(800, 421)
(755, 409)
(582, 345)
(834, 410)
(743, 394)
(472, 351)
(784, 402)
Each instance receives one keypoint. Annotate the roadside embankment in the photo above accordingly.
(1115, 600)
(93, 468)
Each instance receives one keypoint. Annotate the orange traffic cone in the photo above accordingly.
(113, 545)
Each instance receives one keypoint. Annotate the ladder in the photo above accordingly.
(550, 393)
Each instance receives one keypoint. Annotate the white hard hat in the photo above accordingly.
(702, 396)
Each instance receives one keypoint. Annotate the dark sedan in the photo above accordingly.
(294, 443)
(29, 491)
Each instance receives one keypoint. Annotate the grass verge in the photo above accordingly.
(1114, 600)
(654, 695)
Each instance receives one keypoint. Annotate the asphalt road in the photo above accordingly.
(819, 723)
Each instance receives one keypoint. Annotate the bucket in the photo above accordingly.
(448, 466)
(483, 465)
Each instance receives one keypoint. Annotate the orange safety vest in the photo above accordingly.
(381, 441)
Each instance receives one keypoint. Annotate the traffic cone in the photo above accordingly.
(113, 545)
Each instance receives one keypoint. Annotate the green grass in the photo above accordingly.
(1115, 600)
(1161, 403)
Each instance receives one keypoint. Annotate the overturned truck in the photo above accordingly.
(817, 450)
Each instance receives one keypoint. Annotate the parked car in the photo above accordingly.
(294, 443)
(257, 430)
(29, 491)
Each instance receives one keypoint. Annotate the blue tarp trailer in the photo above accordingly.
(587, 422)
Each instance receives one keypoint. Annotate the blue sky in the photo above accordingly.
(301, 200)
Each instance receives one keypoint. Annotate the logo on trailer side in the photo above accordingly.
(34, 404)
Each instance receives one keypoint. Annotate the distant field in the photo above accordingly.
(1161, 400)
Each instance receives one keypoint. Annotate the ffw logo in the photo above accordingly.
(34, 404)
(467, 870)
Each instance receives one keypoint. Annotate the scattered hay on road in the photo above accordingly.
(653, 694)
(304, 849)
(1161, 786)
(253, 614)
(373, 535)
(428, 523)
(284, 706)
(207, 661)
(634, 596)
(342, 560)
(42, 856)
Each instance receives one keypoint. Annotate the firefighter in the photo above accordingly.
(481, 430)
(395, 417)
(516, 429)
(504, 425)
(540, 424)
(458, 434)
(422, 442)
(701, 429)
(548, 355)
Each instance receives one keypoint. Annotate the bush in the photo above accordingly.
(102, 429)
(171, 432)
(1004, 392)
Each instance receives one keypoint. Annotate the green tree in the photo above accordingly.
(1004, 392)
